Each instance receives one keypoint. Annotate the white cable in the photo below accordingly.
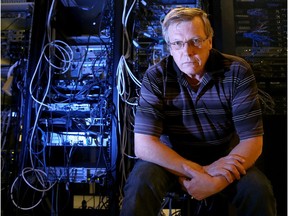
(49, 19)
(37, 117)
(66, 56)
(13, 201)
(32, 79)
(11, 69)
(120, 77)
(128, 14)
(124, 12)
(136, 81)
(40, 178)
(124, 23)
(121, 86)
(120, 73)
(70, 58)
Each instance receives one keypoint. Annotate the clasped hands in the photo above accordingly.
(211, 179)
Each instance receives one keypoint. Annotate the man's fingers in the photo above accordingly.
(237, 157)
(184, 181)
(190, 172)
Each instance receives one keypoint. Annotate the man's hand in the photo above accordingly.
(231, 167)
(200, 185)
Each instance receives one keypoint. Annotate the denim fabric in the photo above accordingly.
(148, 184)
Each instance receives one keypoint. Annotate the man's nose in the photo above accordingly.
(189, 48)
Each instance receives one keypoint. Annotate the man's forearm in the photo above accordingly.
(250, 149)
(150, 149)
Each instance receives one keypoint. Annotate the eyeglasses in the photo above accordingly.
(197, 42)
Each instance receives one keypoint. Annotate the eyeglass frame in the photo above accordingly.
(191, 41)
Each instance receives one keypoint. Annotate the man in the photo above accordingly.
(198, 122)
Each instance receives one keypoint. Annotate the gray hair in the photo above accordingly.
(182, 14)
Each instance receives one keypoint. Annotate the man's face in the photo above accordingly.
(192, 57)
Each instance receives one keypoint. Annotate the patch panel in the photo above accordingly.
(69, 107)
(81, 139)
(75, 174)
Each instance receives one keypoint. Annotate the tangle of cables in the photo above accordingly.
(54, 51)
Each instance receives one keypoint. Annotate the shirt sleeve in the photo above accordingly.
(246, 109)
(149, 114)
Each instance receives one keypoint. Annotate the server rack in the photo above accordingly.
(67, 157)
(256, 30)
(16, 22)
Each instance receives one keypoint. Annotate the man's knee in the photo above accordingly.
(149, 176)
(256, 183)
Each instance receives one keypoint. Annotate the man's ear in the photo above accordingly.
(210, 43)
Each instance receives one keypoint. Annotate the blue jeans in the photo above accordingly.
(148, 184)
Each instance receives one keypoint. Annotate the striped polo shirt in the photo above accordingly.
(224, 109)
